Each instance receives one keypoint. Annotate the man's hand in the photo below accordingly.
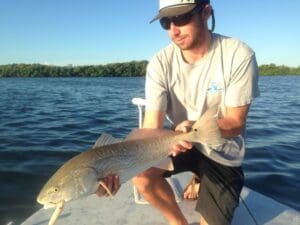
(182, 146)
(112, 183)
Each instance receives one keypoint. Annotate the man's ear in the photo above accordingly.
(206, 12)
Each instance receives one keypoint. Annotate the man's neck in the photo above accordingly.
(193, 55)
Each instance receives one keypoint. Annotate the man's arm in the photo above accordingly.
(154, 119)
(233, 122)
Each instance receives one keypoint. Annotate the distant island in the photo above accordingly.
(125, 69)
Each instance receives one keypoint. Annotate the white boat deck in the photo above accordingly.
(123, 210)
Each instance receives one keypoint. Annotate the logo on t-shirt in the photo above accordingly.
(214, 87)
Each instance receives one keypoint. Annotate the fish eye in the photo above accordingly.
(55, 189)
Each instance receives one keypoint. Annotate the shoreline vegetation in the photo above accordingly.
(125, 69)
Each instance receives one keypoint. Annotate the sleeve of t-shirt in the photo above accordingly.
(155, 87)
(243, 85)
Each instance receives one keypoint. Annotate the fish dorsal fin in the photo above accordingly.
(106, 139)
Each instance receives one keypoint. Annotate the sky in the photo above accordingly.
(89, 32)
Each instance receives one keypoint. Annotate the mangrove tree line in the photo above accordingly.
(129, 69)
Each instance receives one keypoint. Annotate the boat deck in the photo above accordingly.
(123, 210)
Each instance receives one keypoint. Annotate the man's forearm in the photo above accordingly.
(230, 127)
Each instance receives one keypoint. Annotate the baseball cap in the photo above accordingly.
(171, 8)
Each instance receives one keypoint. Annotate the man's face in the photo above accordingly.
(189, 36)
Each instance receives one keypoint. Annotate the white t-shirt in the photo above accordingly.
(227, 75)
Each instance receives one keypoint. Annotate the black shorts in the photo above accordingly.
(220, 185)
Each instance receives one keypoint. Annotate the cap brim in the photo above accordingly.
(174, 11)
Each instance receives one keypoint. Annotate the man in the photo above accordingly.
(198, 70)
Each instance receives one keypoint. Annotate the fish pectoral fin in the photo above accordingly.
(106, 139)
(165, 164)
(106, 188)
(87, 179)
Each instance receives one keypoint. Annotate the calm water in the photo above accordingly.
(45, 121)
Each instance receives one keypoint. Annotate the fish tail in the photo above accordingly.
(206, 129)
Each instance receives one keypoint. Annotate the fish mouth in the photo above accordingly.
(46, 204)
(49, 205)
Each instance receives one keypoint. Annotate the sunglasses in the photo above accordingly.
(180, 20)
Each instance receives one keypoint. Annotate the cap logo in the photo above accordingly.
(168, 3)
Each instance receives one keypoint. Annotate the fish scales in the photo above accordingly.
(135, 155)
